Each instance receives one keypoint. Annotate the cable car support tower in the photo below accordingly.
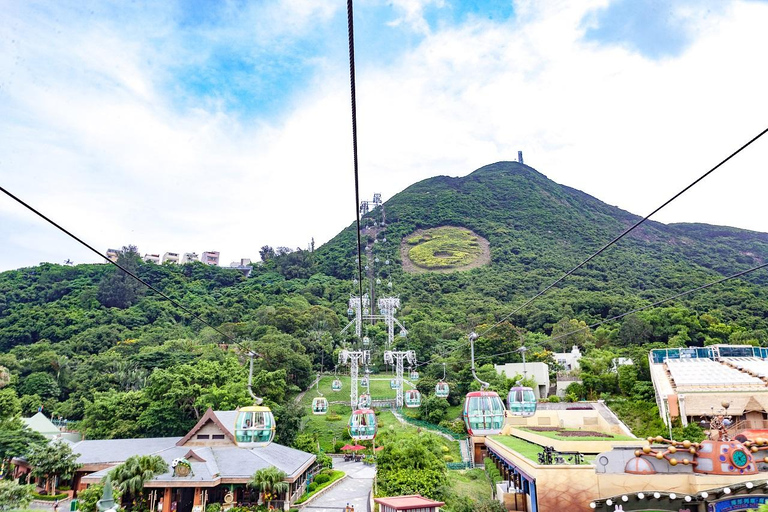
(397, 358)
(355, 359)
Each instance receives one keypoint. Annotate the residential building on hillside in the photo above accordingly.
(112, 254)
(172, 257)
(537, 370)
(189, 257)
(210, 257)
(152, 258)
(244, 266)
(568, 360)
(205, 466)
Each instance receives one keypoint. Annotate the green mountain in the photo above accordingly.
(90, 345)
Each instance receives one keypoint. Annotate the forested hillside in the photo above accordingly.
(91, 345)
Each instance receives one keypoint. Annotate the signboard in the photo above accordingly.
(737, 503)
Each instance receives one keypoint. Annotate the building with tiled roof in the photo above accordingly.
(216, 470)
(412, 503)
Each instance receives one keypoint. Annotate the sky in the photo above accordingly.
(194, 125)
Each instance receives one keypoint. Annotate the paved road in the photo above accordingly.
(353, 490)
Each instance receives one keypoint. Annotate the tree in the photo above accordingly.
(13, 495)
(267, 253)
(87, 498)
(53, 460)
(9, 403)
(131, 476)
(270, 482)
(5, 376)
(41, 384)
(17, 440)
(433, 409)
(118, 289)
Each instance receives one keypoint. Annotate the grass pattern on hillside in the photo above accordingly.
(443, 248)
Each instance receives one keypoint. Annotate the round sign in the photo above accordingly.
(739, 458)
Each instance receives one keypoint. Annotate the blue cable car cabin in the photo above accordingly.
(442, 390)
(412, 398)
(414, 375)
(483, 413)
(336, 385)
(362, 425)
(521, 401)
(364, 382)
(254, 427)
(393, 384)
(364, 401)
(319, 405)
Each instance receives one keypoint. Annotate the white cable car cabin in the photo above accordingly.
(483, 413)
(414, 375)
(336, 385)
(393, 384)
(521, 401)
(362, 425)
(254, 426)
(442, 390)
(412, 398)
(319, 405)
(366, 340)
(364, 401)
(364, 382)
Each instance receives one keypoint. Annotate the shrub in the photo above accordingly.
(321, 479)
(213, 507)
(49, 497)
(312, 487)
(492, 470)
(338, 446)
(553, 399)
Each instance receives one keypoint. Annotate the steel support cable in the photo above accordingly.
(134, 276)
(612, 242)
(353, 99)
(625, 232)
(643, 308)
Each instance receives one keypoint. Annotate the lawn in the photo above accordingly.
(555, 435)
(528, 450)
(443, 247)
(472, 483)
(379, 389)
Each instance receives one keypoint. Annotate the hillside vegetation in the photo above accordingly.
(90, 345)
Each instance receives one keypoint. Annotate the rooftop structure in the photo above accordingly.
(41, 424)
(568, 360)
(152, 258)
(413, 502)
(694, 382)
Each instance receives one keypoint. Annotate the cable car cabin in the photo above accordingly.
(393, 384)
(414, 375)
(364, 382)
(521, 401)
(483, 413)
(319, 405)
(254, 427)
(362, 425)
(364, 401)
(366, 341)
(442, 390)
(336, 385)
(412, 398)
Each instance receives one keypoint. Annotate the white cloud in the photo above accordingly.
(93, 140)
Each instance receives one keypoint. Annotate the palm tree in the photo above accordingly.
(131, 475)
(269, 481)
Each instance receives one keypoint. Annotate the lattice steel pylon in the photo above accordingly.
(388, 307)
(355, 359)
(396, 358)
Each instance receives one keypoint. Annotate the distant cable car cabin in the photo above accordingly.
(442, 390)
(412, 398)
(366, 340)
(362, 425)
(483, 413)
(393, 384)
(521, 401)
(319, 405)
(364, 401)
(364, 382)
(414, 375)
(254, 426)
(336, 385)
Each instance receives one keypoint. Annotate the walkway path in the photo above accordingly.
(354, 490)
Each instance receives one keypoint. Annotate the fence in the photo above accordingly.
(459, 465)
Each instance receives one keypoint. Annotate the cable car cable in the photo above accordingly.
(353, 100)
(134, 276)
